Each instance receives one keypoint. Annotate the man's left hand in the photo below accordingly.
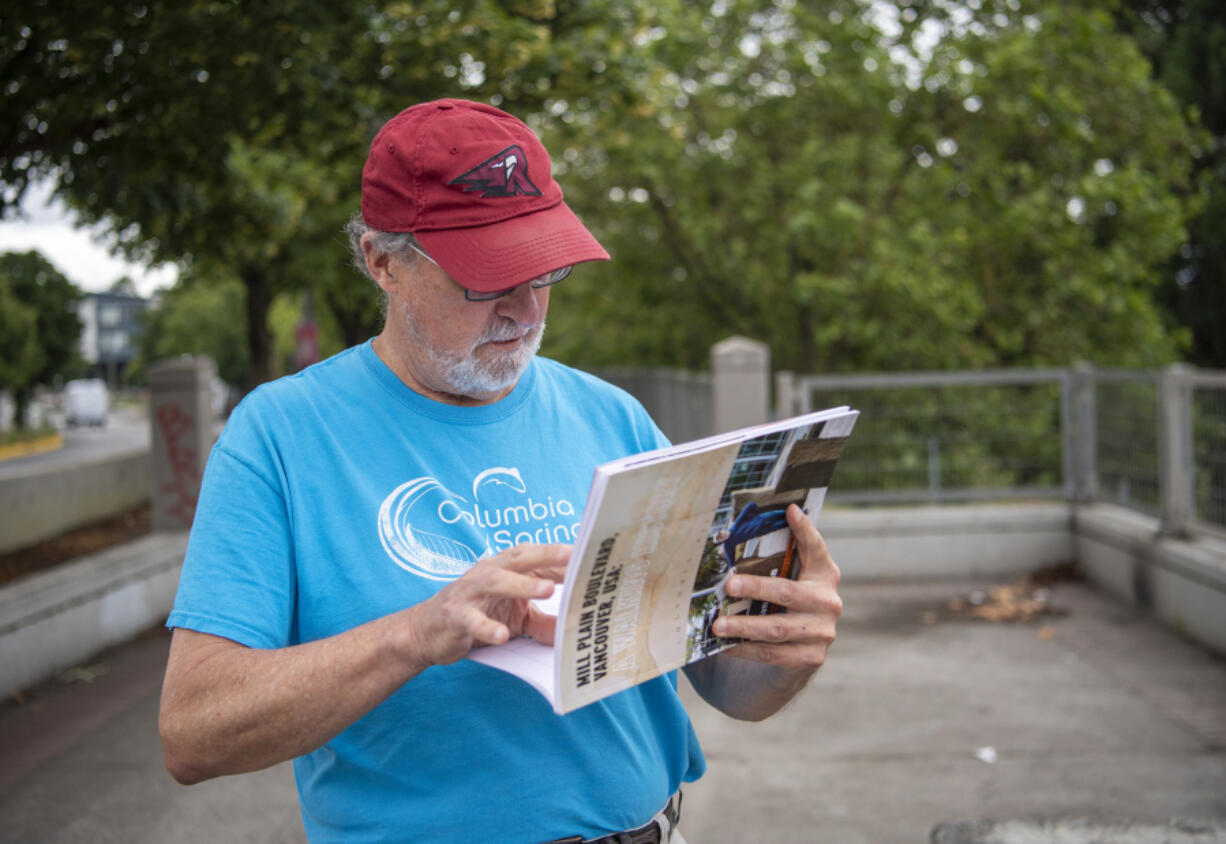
(799, 638)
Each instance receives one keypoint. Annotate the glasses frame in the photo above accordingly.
(547, 280)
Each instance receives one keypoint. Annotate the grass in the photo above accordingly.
(24, 435)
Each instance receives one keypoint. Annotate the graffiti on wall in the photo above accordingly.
(183, 486)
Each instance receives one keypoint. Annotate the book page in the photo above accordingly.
(526, 658)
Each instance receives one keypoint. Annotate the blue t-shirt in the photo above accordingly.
(337, 496)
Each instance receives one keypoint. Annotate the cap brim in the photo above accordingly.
(502, 255)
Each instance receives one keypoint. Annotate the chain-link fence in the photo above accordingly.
(943, 436)
(1208, 423)
(1126, 434)
(1151, 441)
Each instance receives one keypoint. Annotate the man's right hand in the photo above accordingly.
(489, 604)
(228, 708)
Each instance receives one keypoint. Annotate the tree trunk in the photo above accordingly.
(259, 339)
(21, 403)
(806, 350)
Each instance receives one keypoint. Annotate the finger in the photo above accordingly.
(779, 628)
(540, 626)
(484, 629)
(501, 583)
(808, 657)
(815, 560)
(547, 560)
(804, 595)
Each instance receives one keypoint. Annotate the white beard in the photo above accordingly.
(466, 374)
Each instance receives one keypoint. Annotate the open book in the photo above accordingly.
(660, 534)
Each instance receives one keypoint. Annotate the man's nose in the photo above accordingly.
(524, 304)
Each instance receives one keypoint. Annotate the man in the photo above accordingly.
(349, 547)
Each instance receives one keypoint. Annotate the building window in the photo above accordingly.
(110, 315)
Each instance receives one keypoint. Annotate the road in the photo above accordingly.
(127, 430)
(918, 718)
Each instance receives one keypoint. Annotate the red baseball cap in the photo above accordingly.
(473, 184)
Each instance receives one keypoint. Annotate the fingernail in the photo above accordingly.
(733, 587)
(717, 627)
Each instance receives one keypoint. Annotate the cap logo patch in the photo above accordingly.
(503, 175)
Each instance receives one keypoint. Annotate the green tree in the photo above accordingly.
(978, 196)
(198, 316)
(41, 303)
(1005, 193)
(232, 135)
(1186, 42)
(200, 132)
(19, 352)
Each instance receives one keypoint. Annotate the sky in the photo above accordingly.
(76, 252)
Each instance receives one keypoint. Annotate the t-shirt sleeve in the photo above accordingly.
(649, 433)
(238, 577)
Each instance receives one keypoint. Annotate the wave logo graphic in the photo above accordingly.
(417, 524)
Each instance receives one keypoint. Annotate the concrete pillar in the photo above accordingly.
(181, 421)
(1176, 468)
(1081, 432)
(787, 395)
(741, 368)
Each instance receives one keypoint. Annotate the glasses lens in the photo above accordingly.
(478, 296)
(552, 277)
(540, 281)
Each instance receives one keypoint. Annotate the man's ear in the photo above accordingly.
(378, 264)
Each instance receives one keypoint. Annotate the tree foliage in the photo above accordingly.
(866, 194)
(39, 328)
(862, 185)
(200, 316)
(19, 351)
(1186, 42)
(232, 134)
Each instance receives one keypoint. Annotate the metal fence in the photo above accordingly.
(944, 436)
(682, 403)
(1151, 441)
(1126, 419)
(1207, 423)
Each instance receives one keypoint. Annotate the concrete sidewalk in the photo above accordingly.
(917, 720)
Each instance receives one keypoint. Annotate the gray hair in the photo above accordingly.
(398, 244)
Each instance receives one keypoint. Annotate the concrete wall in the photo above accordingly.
(910, 543)
(1183, 582)
(44, 503)
(60, 618)
(57, 619)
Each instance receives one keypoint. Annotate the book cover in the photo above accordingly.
(661, 533)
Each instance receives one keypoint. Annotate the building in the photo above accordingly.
(110, 326)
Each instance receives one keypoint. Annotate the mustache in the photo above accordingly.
(510, 330)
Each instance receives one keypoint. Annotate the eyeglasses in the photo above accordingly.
(540, 281)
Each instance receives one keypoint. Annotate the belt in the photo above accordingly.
(655, 831)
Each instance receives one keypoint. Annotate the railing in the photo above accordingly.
(1151, 441)
(946, 436)
(1207, 430)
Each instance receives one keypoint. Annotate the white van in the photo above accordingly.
(85, 402)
